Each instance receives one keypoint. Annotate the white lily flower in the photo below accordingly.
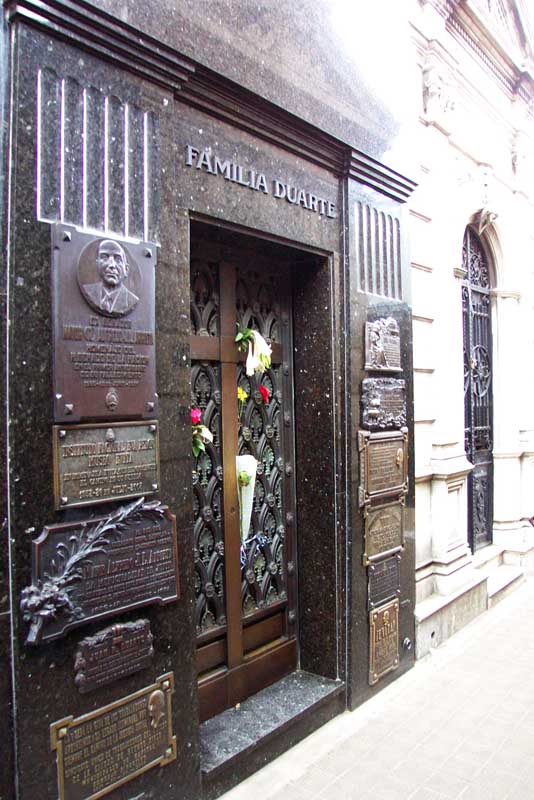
(253, 362)
(262, 352)
(205, 433)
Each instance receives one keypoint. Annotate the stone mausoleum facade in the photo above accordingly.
(205, 557)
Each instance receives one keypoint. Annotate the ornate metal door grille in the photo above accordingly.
(245, 592)
(478, 388)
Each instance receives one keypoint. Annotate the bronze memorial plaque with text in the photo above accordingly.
(112, 654)
(103, 305)
(383, 403)
(106, 748)
(383, 464)
(98, 463)
(383, 640)
(92, 569)
(383, 580)
(384, 530)
(382, 345)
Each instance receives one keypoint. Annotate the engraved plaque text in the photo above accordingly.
(384, 580)
(384, 531)
(107, 748)
(383, 403)
(112, 654)
(90, 570)
(382, 345)
(98, 463)
(104, 326)
(383, 640)
(383, 464)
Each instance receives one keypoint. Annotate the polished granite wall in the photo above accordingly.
(7, 771)
(45, 690)
(365, 307)
(329, 315)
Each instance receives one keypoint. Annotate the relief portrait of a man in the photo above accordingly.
(110, 296)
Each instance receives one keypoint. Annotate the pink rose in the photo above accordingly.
(196, 416)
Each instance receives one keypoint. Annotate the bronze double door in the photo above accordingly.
(245, 584)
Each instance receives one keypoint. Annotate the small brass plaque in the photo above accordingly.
(98, 463)
(103, 307)
(383, 464)
(382, 345)
(383, 403)
(384, 530)
(383, 640)
(111, 746)
(383, 580)
(112, 654)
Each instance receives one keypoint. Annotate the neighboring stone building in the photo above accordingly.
(472, 252)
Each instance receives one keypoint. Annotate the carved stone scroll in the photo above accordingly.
(108, 747)
(103, 305)
(90, 570)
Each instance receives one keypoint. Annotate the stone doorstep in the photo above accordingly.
(241, 740)
(488, 558)
(503, 581)
(436, 602)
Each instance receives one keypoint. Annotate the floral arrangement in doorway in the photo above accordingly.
(200, 433)
(259, 351)
(258, 360)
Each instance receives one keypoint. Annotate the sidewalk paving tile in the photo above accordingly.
(459, 726)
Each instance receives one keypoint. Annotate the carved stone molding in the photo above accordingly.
(438, 95)
(484, 219)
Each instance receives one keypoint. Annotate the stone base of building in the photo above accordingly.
(498, 571)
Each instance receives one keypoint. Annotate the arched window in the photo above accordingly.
(478, 393)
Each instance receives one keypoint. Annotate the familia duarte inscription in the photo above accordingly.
(89, 570)
(104, 326)
(209, 161)
(112, 745)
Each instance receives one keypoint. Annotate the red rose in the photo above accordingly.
(196, 416)
(264, 393)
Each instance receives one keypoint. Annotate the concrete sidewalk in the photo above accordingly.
(459, 725)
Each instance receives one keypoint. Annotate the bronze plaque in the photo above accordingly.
(382, 345)
(96, 568)
(98, 463)
(108, 747)
(383, 403)
(383, 580)
(383, 464)
(112, 654)
(383, 640)
(103, 305)
(384, 530)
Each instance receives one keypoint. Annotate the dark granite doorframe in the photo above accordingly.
(317, 557)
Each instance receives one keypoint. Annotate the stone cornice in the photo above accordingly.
(465, 27)
(83, 25)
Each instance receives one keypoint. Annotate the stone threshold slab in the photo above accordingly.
(233, 735)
